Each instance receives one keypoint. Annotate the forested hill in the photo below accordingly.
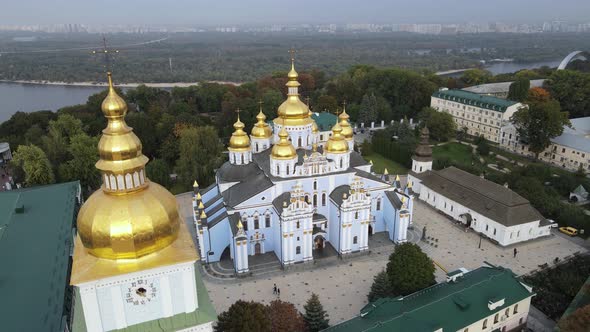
(243, 57)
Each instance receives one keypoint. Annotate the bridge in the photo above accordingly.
(573, 56)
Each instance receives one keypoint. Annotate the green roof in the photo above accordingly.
(204, 314)
(324, 120)
(35, 244)
(448, 305)
(474, 99)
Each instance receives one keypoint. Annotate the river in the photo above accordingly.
(33, 97)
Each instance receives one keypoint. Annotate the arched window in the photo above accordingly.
(496, 318)
(256, 222)
(267, 221)
(297, 225)
(355, 240)
(278, 169)
(485, 324)
(315, 200)
(256, 147)
(341, 163)
(324, 199)
(297, 250)
(507, 312)
(307, 199)
(315, 185)
(515, 311)
(299, 142)
(378, 204)
(288, 169)
(356, 215)
(245, 224)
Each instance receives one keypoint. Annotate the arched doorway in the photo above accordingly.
(299, 142)
(318, 243)
(370, 230)
(257, 249)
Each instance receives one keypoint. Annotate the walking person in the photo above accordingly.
(274, 289)
(279, 292)
(515, 252)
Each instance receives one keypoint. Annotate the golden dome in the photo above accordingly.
(261, 129)
(293, 111)
(336, 143)
(239, 140)
(283, 149)
(129, 217)
(346, 128)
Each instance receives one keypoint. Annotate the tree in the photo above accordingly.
(326, 103)
(440, 124)
(285, 317)
(368, 112)
(519, 89)
(35, 165)
(476, 76)
(244, 316)
(158, 171)
(200, 155)
(579, 320)
(409, 270)
(538, 123)
(81, 167)
(572, 90)
(315, 316)
(381, 287)
(483, 147)
(57, 141)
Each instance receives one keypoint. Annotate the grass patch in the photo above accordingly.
(457, 153)
(380, 163)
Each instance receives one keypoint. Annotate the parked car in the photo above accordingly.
(553, 223)
(569, 231)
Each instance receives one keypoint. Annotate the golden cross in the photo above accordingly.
(292, 52)
(344, 104)
(238, 110)
(107, 54)
(260, 102)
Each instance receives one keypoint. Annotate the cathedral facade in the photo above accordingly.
(285, 191)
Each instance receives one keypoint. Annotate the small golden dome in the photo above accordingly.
(130, 217)
(283, 149)
(346, 128)
(293, 75)
(239, 140)
(261, 129)
(337, 143)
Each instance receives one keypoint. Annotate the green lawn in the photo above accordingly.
(380, 163)
(456, 152)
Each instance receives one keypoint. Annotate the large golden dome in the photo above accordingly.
(239, 140)
(293, 112)
(346, 128)
(261, 129)
(129, 217)
(336, 143)
(283, 149)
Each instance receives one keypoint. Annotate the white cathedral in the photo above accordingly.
(288, 192)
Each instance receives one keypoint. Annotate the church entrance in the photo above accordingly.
(257, 249)
(319, 243)
(370, 230)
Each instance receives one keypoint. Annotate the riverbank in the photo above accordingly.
(122, 85)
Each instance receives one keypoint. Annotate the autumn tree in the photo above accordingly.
(33, 161)
(540, 121)
(244, 316)
(579, 320)
(316, 318)
(409, 270)
(285, 317)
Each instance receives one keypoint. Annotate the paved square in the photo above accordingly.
(343, 288)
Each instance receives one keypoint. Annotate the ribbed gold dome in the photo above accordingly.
(239, 140)
(293, 112)
(261, 129)
(337, 143)
(283, 149)
(346, 128)
(129, 217)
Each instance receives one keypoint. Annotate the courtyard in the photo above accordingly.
(344, 284)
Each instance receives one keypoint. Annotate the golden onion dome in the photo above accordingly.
(130, 216)
(261, 129)
(283, 149)
(293, 111)
(337, 143)
(239, 140)
(346, 127)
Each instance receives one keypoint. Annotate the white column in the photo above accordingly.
(91, 309)
(190, 291)
(245, 256)
(118, 310)
(166, 296)
(284, 245)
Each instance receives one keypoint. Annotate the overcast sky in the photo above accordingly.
(199, 12)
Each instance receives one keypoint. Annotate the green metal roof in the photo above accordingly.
(35, 255)
(474, 99)
(204, 314)
(450, 306)
(324, 120)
